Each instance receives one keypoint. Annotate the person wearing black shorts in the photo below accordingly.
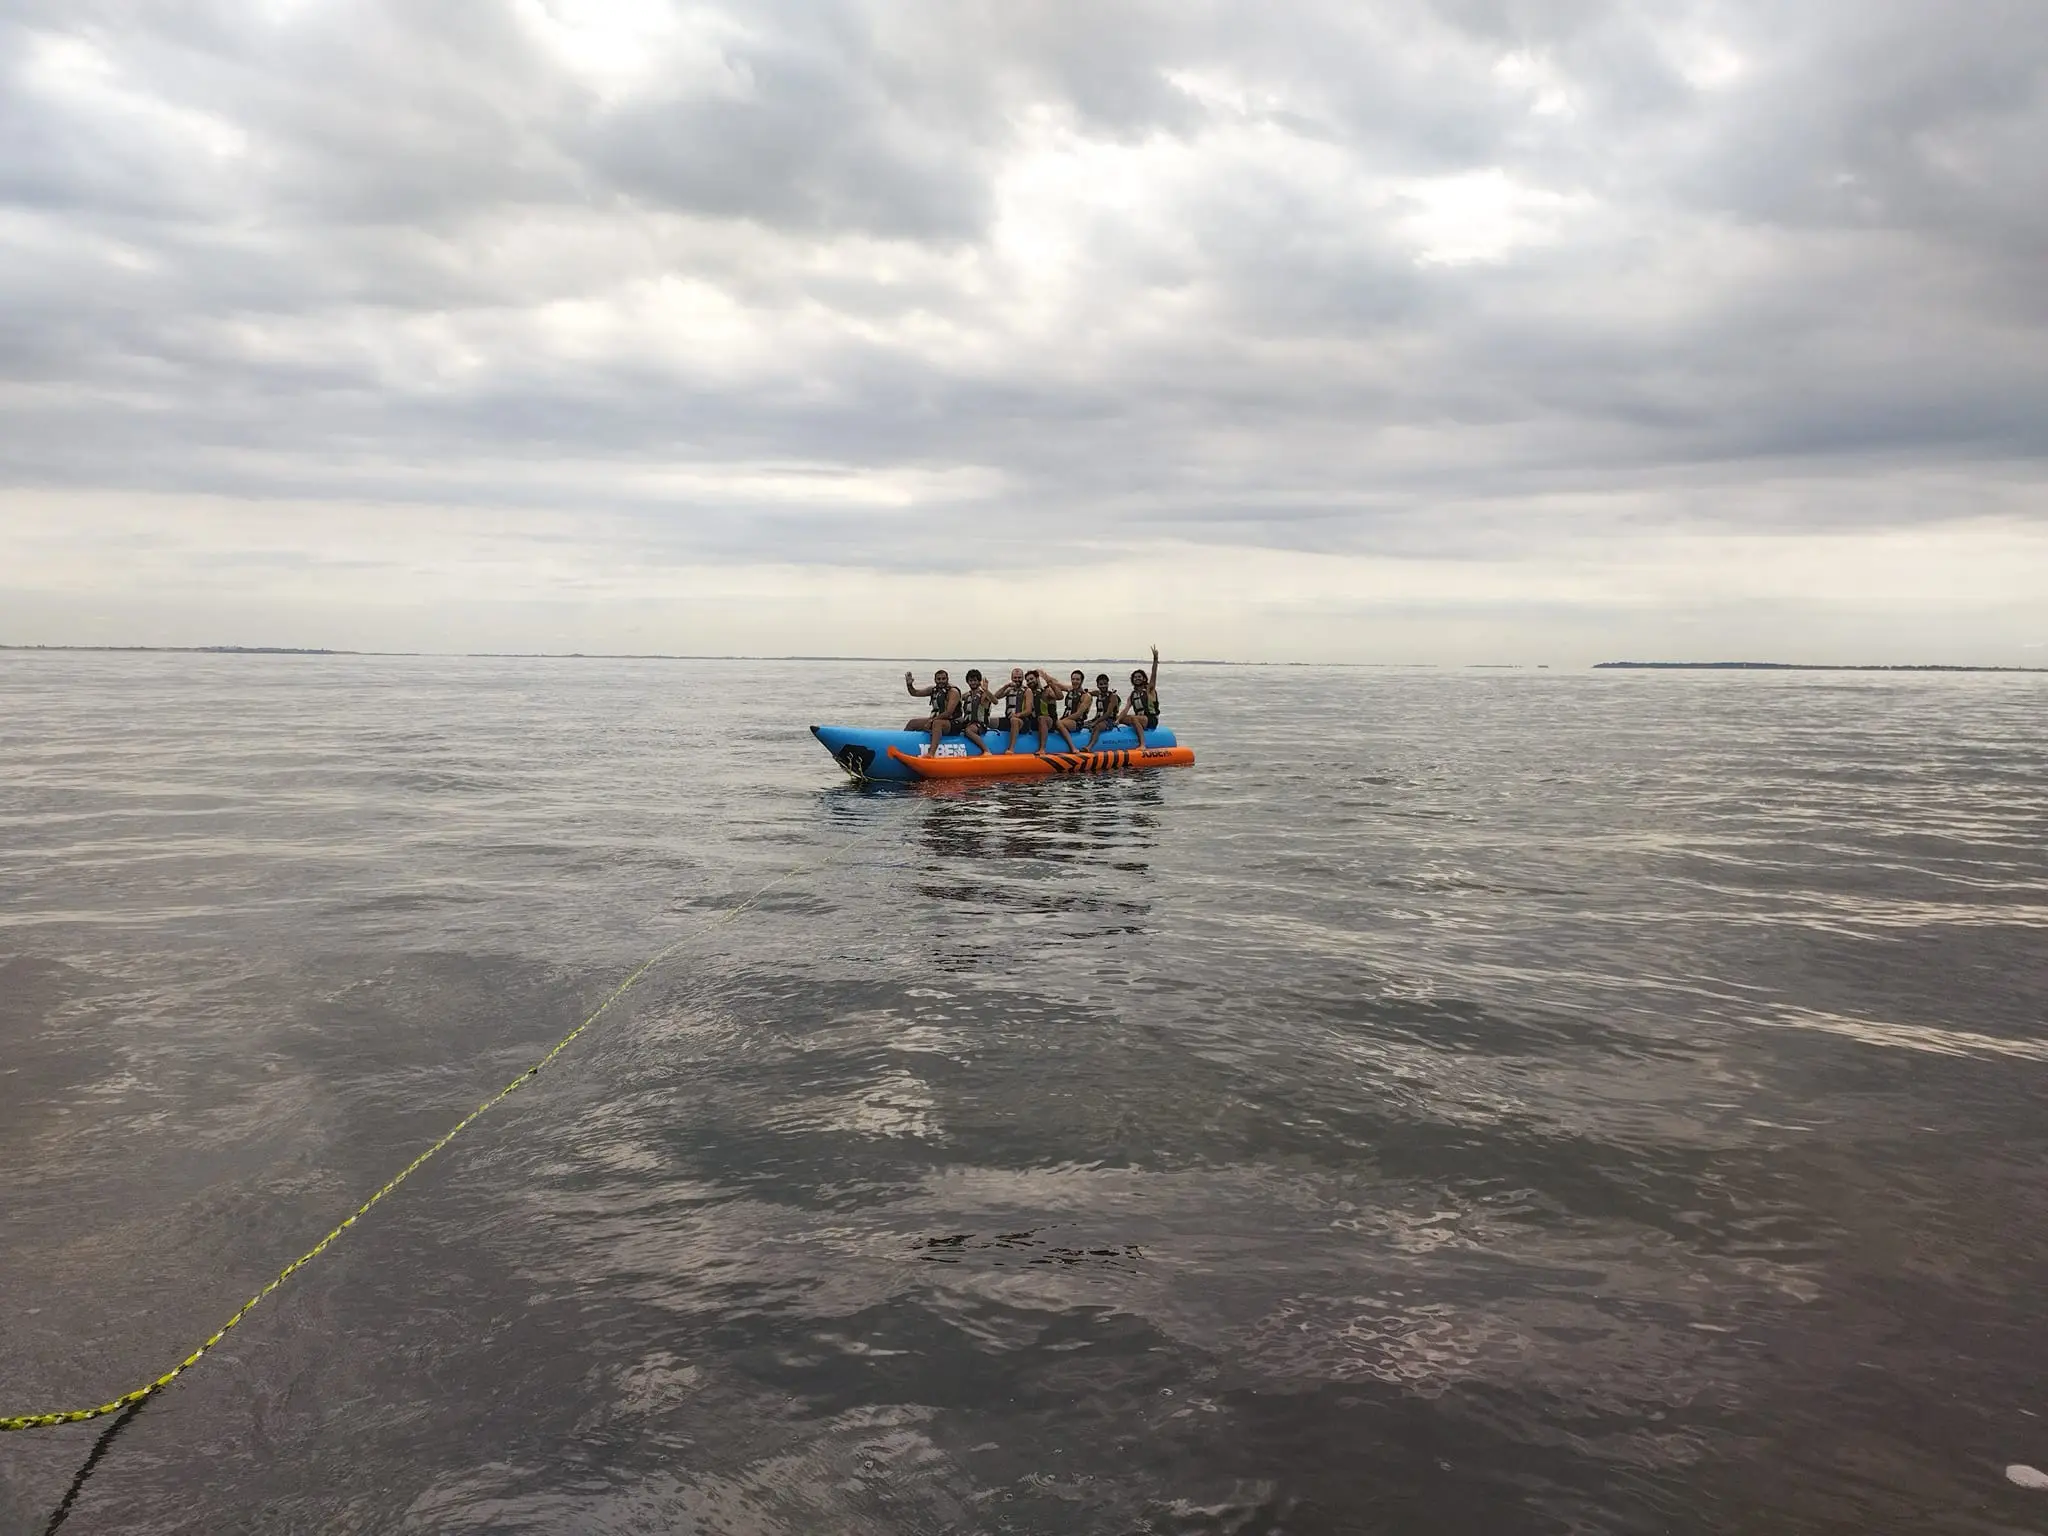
(1142, 714)
(945, 704)
(1074, 707)
(1046, 696)
(976, 704)
(1107, 707)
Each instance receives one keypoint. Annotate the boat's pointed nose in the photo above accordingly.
(832, 738)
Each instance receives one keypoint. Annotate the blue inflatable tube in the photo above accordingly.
(865, 754)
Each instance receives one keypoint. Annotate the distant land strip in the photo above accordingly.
(1793, 666)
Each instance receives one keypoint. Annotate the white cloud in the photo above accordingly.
(1708, 63)
(622, 48)
(1481, 216)
(1535, 77)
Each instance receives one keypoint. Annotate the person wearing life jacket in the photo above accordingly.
(1107, 707)
(1074, 700)
(1046, 691)
(1142, 714)
(945, 705)
(1020, 705)
(976, 704)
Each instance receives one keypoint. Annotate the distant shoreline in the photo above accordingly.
(1792, 666)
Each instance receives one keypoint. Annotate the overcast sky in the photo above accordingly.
(1453, 330)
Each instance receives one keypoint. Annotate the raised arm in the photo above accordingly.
(910, 687)
(1152, 677)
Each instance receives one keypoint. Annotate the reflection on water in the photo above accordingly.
(1084, 822)
(1538, 1103)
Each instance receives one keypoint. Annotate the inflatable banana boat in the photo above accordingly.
(906, 756)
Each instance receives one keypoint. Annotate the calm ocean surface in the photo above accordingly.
(1526, 1102)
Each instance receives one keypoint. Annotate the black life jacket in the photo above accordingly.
(1014, 695)
(940, 709)
(1145, 701)
(974, 707)
(1105, 704)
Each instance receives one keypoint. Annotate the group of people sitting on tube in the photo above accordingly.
(1036, 701)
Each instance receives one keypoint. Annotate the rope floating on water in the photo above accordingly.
(148, 1389)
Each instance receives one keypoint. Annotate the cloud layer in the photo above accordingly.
(924, 293)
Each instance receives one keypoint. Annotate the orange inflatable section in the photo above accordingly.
(1032, 765)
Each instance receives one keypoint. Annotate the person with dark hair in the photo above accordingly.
(1048, 693)
(976, 704)
(1142, 714)
(1107, 706)
(1074, 706)
(945, 699)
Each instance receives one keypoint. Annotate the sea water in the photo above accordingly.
(1466, 1101)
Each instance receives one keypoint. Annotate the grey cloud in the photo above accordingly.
(810, 146)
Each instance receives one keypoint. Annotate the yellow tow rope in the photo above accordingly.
(130, 1399)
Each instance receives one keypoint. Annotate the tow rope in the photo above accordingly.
(148, 1389)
